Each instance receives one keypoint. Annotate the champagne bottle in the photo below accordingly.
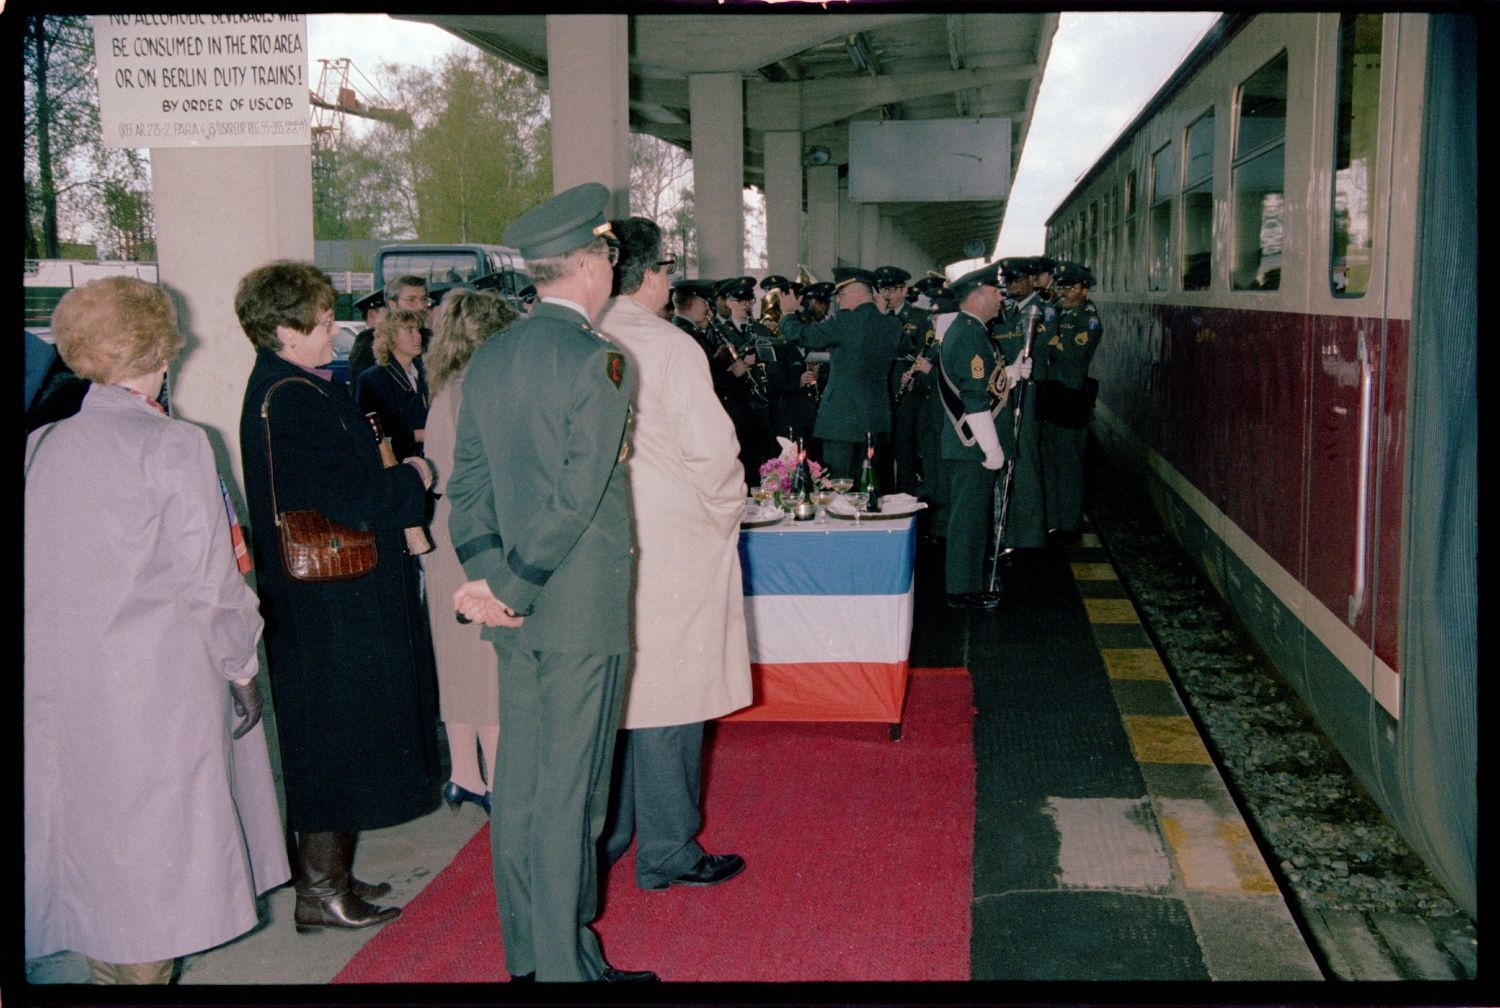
(867, 484)
(802, 475)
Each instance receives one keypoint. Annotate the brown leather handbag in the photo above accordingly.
(313, 547)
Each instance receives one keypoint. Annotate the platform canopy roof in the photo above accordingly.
(830, 69)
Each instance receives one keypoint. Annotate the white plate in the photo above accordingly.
(903, 509)
(751, 518)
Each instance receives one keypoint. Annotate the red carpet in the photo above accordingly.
(859, 854)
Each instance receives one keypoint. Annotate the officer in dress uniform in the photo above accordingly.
(861, 341)
(974, 384)
(1026, 516)
(1063, 367)
(891, 285)
(541, 522)
(792, 382)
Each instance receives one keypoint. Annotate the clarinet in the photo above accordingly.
(756, 382)
(910, 375)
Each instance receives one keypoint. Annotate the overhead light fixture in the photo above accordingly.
(973, 248)
(815, 157)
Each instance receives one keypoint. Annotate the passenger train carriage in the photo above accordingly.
(1283, 243)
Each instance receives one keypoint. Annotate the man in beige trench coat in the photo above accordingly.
(689, 657)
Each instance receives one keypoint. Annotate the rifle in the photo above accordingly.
(1002, 499)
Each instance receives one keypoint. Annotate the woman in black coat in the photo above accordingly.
(351, 673)
(395, 389)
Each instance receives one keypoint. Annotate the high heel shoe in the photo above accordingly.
(456, 796)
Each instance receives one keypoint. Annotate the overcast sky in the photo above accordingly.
(1102, 69)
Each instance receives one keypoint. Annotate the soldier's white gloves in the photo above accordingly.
(1019, 370)
(983, 426)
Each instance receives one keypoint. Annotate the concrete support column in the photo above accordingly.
(823, 220)
(221, 212)
(783, 160)
(588, 84)
(869, 235)
(716, 104)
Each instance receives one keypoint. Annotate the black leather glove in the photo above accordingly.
(247, 706)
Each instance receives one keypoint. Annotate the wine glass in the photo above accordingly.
(763, 492)
(859, 500)
(842, 484)
(822, 498)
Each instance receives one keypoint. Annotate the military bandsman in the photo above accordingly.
(1066, 396)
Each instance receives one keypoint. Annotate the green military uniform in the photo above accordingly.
(968, 358)
(541, 513)
(916, 327)
(1071, 342)
(860, 344)
(1026, 515)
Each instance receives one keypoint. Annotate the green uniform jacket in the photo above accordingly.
(1071, 341)
(968, 359)
(540, 509)
(861, 343)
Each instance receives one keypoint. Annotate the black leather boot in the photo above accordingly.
(364, 890)
(324, 895)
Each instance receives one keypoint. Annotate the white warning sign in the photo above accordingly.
(202, 80)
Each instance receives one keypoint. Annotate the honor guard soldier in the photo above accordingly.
(1065, 396)
(791, 379)
(541, 522)
(861, 341)
(891, 285)
(749, 398)
(1023, 335)
(974, 383)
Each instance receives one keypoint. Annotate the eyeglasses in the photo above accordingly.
(667, 265)
(412, 300)
(612, 251)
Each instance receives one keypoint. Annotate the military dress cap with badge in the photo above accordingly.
(1014, 268)
(776, 282)
(737, 288)
(541, 513)
(371, 301)
(694, 286)
(890, 276)
(1037, 265)
(843, 276)
(986, 275)
(820, 291)
(1067, 273)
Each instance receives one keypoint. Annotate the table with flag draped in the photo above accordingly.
(829, 614)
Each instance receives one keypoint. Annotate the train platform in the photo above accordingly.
(1106, 845)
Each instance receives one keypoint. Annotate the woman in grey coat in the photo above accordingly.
(150, 814)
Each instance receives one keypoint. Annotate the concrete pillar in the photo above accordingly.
(823, 220)
(221, 212)
(588, 85)
(783, 159)
(869, 235)
(716, 104)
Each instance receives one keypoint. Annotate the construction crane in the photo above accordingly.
(336, 97)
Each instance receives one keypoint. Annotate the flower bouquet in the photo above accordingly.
(777, 472)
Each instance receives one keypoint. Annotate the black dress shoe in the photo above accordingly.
(524, 978)
(711, 869)
(974, 600)
(612, 975)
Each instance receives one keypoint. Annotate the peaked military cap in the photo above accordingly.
(890, 276)
(776, 282)
(843, 276)
(572, 218)
(985, 275)
(370, 301)
(696, 287)
(930, 284)
(821, 291)
(740, 288)
(943, 302)
(797, 289)
(1014, 268)
(1039, 264)
(1067, 273)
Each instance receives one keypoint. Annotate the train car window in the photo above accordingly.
(1091, 236)
(1356, 120)
(1159, 222)
(1127, 275)
(1198, 204)
(1259, 178)
(1106, 262)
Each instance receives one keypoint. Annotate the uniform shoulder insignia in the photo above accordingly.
(976, 367)
(614, 366)
(1082, 339)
